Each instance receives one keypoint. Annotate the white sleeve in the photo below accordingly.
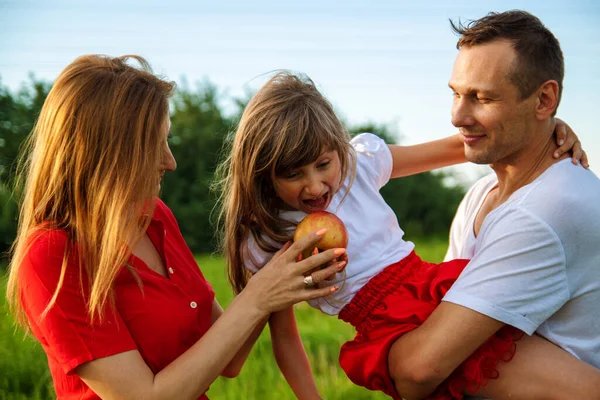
(253, 256)
(373, 157)
(518, 274)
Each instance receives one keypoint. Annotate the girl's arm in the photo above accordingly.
(290, 354)
(423, 157)
(410, 160)
(234, 367)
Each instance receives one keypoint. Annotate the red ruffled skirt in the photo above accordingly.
(399, 299)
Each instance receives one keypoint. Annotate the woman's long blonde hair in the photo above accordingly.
(287, 124)
(89, 167)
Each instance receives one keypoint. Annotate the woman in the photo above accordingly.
(100, 273)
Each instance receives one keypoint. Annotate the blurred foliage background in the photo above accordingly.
(424, 203)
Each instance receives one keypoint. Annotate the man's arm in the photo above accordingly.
(423, 358)
(517, 276)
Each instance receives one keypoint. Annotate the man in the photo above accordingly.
(531, 230)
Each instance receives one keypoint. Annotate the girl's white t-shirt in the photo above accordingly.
(374, 236)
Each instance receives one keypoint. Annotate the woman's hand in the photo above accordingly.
(343, 257)
(568, 141)
(278, 285)
(282, 283)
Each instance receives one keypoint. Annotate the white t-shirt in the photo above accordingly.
(374, 236)
(536, 261)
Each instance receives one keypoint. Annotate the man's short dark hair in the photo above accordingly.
(539, 57)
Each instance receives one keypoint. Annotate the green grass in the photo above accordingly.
(24, 372)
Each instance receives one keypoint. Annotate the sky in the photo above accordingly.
(386, 62)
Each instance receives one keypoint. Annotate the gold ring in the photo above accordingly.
(308, 282)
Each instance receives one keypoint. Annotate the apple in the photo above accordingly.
(335, 237)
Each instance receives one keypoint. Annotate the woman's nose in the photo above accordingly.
(168, 162)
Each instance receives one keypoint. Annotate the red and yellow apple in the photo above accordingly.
(335, 237)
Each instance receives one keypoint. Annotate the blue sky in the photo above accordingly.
(382, 61)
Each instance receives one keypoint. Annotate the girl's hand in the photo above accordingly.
(568, 141)
(282, 283)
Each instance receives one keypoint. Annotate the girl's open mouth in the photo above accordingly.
(318, 204)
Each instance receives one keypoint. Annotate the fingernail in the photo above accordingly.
(341, 265)
(334, 288)
(556, 155)
(321, 232)
(339, 252)
(560, 142)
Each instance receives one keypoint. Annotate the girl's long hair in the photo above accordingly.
(287, 124)
(90, 168)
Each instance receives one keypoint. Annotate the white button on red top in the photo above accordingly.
(193, 304)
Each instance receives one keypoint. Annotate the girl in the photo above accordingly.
(291, 156)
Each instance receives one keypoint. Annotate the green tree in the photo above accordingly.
(423, 203)
(199, 129)
(18, 113)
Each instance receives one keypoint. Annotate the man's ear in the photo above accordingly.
(547, 99)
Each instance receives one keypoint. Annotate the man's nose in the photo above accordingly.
(461, 113)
